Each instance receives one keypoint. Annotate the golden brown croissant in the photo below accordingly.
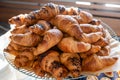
(20, 30)
(88, 28)
(70, 45)
(51, 38)
(72, 62)
(27, 39)
(86, 17)
(12, 51)
(94, 49)
(95, 22)
(94, 63)
(19, 47)
(91, 37)
(51, 63)
(83, 17)
(49, 11)
(24, 59)
(40, 27)
(67, 24)
(105, 51)
(73, 11)
(102, 42)
(36, 67)
(22, 19)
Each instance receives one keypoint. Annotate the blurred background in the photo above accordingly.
(106, 10)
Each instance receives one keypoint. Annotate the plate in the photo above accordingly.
(10, 59)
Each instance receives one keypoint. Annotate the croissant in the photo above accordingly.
(36, 67)
(73, 11)
(80, 15)
(94, 49)
(51, 63)
(95, 22)
(24, 59)
(49, 11)
(70, 45)
(11, 50)
(102, 42)
(19, 47)
(22, 19)
(20, 30)
(67, 24)
(72, 62)
(83, 17)
(40, 27)
(28, 39)
(51, 38)
(94, 63)
(104, 51)
(91, 37)
(88, 28)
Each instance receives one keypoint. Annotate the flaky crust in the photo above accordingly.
(76, 46)
(72, 62)
(51, 38)
(27, 39)
(71, 25)
(51, 63)
(97, 62)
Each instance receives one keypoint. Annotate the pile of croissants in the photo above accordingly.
(59, 42)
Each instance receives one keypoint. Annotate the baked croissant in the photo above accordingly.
(20, 30)
(50, 39)
(28, 39)
(19, 47)
(95, 22)
(94, 63)
(83, 17)
(88, 28)
(104, 51)
(23, 19)
(24, 59)
(80, 15)
(73, 11)
(72, 62)
(51, 63)
(91, 37)
(16, 49)
(70, 45)
(36, 67)
(49, 11)
(40, 28)
(12, 51)
(94, 49)
(102, 42)
(67, 24)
